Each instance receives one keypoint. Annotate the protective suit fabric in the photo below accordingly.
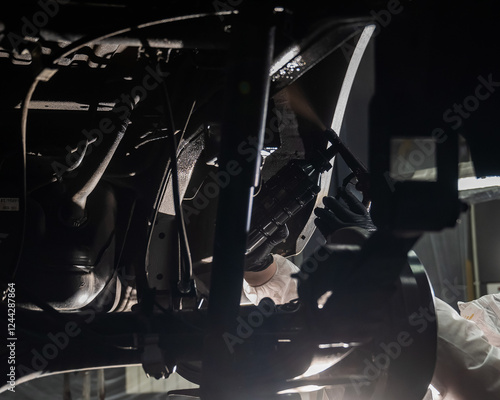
(485, 312)
(468, 365)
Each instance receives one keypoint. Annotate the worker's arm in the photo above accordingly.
(259, 264)
(467, 366)
(343, 220)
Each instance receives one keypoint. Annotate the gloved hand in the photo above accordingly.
(261, 258)
(342, 212)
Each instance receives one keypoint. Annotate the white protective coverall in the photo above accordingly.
(468, 351)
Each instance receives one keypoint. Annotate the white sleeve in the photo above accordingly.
(468, 366)
(281, 288)
(485, 312)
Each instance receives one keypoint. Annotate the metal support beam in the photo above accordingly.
(242, 137)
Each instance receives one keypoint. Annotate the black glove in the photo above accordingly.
(341, 212)
(261, 258)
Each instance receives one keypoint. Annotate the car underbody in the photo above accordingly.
(137, 138)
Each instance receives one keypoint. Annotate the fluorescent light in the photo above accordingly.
(302, 389)
(470, 183)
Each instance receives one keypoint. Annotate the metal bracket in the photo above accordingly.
(152, 359)
(186, 301)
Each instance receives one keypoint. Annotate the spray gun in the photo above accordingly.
(295, 185)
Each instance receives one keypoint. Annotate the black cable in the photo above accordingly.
(24, 189)
(186, 266)
(186, 273)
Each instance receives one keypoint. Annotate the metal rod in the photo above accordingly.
(73, 212)
(475, 258)
(86, 385)
(66, 387)
(101, 384)
(243, 127)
